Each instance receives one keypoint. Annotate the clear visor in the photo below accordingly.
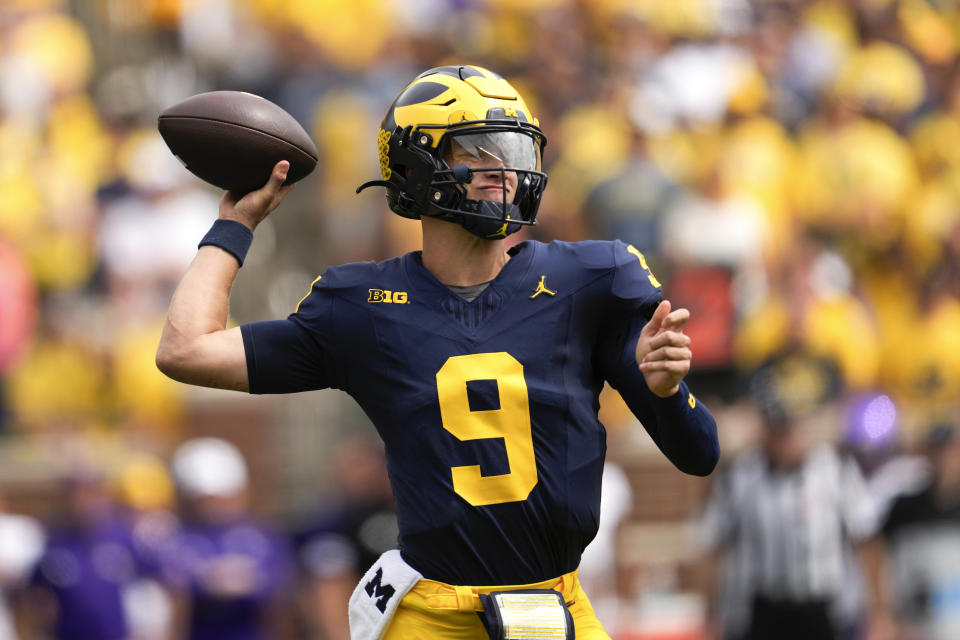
(495, 149)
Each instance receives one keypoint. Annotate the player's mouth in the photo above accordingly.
(495, 191)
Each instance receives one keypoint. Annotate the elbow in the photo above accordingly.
(705, 450)
(703, 464)
(169, 361)
(709, 462)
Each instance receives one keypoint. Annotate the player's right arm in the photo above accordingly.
(196, 347)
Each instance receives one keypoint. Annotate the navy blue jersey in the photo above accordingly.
(488, 409)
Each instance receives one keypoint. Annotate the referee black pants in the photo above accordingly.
(788, 620)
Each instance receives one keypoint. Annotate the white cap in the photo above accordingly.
(209, 467)
(21, 544)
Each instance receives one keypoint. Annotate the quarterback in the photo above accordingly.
(479, 367)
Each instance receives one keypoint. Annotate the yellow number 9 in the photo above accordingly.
(510, 422)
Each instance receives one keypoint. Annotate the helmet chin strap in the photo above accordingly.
(490, 224)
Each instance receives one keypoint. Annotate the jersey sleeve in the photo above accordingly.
(633, 282)
(297, 353)
(681, 426)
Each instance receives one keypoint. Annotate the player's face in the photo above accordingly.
(485, 185)
(493, 151)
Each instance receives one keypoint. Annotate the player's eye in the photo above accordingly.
(462, 156)
(490, 155)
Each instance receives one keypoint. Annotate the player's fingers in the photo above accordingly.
(677, 319)
(669, 338)
(280, 195)
(277, 177)
(263, 199)
(265, 194)
(669, 353)
(230, 198)
(654, 323)
(674, 367)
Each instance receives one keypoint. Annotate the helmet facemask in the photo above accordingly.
(433, 181)
(500, 166)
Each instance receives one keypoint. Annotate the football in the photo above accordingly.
(233, 139)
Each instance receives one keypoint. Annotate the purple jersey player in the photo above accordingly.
(89, 559)
(230, 568)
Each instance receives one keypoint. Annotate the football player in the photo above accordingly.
(480, 367)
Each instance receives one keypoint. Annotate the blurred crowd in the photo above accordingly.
(789, 168)
(173, 550)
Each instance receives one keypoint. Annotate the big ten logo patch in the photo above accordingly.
(388, 297)
(383, 147)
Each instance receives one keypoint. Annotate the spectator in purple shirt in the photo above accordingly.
(89, 558)
(229, 569)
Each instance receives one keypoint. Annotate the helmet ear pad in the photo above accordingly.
(412, 171)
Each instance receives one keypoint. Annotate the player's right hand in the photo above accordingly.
(250, 209)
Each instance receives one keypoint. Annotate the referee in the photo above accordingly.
(781, 517)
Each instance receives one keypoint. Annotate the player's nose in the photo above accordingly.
(496, 170)
(491, 175)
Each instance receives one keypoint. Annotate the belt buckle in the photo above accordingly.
(526, 613)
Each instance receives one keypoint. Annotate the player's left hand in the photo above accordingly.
(663, 350)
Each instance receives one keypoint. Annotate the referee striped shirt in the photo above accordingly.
(785, 532)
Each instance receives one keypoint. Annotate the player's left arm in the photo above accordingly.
(681, 426)
(646, 357)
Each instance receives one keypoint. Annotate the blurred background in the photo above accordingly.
(790, 169)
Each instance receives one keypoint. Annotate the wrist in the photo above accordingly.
(232, 236)
(249, 224)
(676, 400)
(669, 393)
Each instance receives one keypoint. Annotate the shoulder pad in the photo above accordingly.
(318, 293)
(591, 254)
(341, 278)
(353, 274)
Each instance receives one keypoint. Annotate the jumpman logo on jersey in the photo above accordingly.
(542, 288)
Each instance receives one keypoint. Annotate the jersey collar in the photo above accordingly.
(507, 281)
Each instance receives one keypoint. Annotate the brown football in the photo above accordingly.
(233, 139)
